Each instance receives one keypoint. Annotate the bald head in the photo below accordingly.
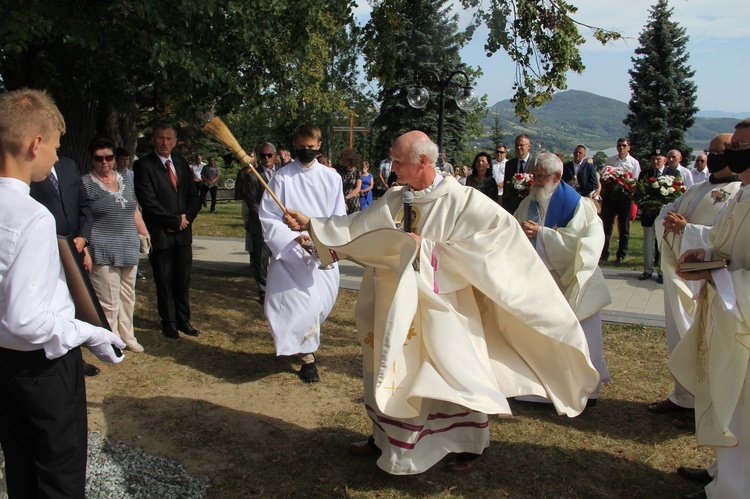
(717, 143)
(414, 155)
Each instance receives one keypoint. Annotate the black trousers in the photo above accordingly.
(172, 278)
(43, 424)
(619, 208)
(261, 255)
(204, 191)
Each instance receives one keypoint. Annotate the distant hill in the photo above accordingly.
(575, 117)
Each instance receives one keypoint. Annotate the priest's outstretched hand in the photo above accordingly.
(296, 220)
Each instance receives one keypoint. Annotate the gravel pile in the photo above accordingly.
(118, 470)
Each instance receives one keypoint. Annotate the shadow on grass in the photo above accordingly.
(245, 454)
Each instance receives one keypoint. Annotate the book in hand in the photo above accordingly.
(707, 265)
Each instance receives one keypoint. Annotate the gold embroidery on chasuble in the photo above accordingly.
(415, 215)
(370, 339)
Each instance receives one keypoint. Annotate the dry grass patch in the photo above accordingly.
(226, 407)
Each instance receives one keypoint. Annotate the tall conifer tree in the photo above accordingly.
(404, 39)
(662, 106)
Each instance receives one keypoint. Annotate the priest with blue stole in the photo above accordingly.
(568, 235)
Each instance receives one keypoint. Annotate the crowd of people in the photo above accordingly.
(448, 316)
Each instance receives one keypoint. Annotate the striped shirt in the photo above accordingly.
(114, 236)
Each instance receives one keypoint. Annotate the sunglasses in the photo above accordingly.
(101, 159)
(264, 156)
(501, 152)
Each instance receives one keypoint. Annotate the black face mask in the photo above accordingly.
(305, 155)
(716, 162)
(737, 161)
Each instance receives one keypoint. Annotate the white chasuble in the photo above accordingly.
(299, 295)
(481, 320)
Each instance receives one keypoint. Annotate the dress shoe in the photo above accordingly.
(90, 370)
(465, 462)
(139, 275)
(365, 448)
(644, 276)
(699, 475)
(620, 260)
(188, 329)
(660, 279)
(700, 494)
(134, 346)
(309, 373)
(170, 331)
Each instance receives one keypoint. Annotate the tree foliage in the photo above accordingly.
(140, 59)
(541, 37)
(662, 106)
(405, 41)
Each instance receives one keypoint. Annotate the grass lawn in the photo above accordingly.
(227, 408)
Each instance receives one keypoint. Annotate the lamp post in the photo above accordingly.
(418, 96)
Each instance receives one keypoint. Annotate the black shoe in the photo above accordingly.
(170, 331)
(591, 403)
(644, 276)
(262, 300)
(620, 260)
(187, 328)
(660, 279)
(699, 475)
(700, 494)
(90, 370)
(139, 275)
(309, 373)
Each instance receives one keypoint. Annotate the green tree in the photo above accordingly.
(541, 37)
(662, 106)
(496, 133)
(116, 66)
(599, 159)
(406, 40)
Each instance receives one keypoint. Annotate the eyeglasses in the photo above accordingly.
(622, 145)
(736, 145)
(101, 159)
(264, 156)
(540, 177)
(501, 152)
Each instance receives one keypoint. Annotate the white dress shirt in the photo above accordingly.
(36, 311)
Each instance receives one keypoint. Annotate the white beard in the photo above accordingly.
(543, 194)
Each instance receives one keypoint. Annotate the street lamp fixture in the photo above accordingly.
(418, 96)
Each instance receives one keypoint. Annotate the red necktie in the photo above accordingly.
(172, 176)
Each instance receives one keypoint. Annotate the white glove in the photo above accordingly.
(100, 344)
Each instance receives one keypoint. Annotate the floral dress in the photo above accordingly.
(349, 179)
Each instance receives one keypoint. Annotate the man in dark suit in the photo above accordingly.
(166, 191)
(253, 192)
(651, 254)
(581, 174)
(520, 164)
(62, 193)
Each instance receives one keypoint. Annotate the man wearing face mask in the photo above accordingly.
(680, 225)
(299, 294)
(711, 361)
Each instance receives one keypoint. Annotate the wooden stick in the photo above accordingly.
(220, 131)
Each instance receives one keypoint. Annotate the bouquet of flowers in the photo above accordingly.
(521, 184)
(652, 193)
(617, 183)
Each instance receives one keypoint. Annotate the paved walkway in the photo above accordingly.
(633, 301)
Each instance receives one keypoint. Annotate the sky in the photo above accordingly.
(719, 32)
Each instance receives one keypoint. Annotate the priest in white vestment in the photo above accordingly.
(681, 225)
(711, 361)
(568, 235)
(299, 294)
(453, 324)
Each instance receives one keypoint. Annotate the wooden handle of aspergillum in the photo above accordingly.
(220, 131)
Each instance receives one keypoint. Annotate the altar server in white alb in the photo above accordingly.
(681, 225)
(299, 294)
(453, 318)
(568, 235)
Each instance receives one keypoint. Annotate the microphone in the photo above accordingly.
(408, 198)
